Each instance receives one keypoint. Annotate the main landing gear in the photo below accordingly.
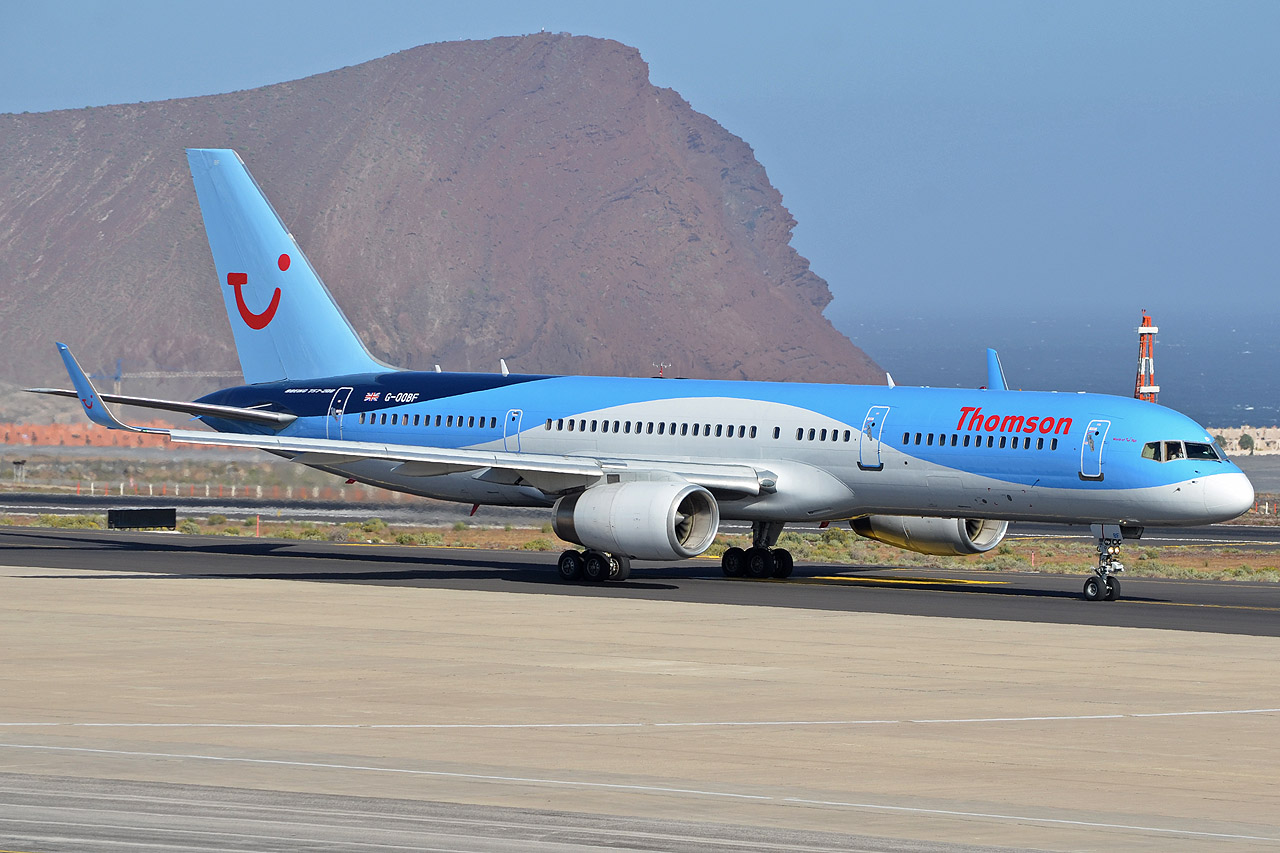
(1103, 585)
(593, 566)
(761, 560)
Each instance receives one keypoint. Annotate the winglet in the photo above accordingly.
(93, 404)
(995, 373)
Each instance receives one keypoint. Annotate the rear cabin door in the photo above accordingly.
(1091, 447)
(869, 442)
(337, 405)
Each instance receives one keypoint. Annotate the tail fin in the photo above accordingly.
(285, 322)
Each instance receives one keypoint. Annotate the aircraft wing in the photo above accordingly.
(551, 473)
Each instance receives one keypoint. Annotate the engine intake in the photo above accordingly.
(665, 520)
(943, 537)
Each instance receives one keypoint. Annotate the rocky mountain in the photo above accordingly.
(534, 198)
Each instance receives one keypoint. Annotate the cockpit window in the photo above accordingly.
(1196, 450)
(1168, 451)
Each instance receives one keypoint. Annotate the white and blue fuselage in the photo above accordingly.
(837, 451)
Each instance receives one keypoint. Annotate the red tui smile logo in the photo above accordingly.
(237, 280)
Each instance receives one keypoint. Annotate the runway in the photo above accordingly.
(195, 693)
(1185, 605)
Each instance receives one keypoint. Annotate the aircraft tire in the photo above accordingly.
(569, 566)
(1113, 588)
(596, 567)
(760, 563)
(733, 562)
(1095, 589)
(620, 569)
(782, 563)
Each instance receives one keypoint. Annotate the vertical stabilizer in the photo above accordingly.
(286, 325)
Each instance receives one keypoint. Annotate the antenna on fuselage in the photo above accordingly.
(438, 370)
(502, 363)
(889, 380)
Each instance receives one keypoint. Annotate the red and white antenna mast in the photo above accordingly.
(1145, 387)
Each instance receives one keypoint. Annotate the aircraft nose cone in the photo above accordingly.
(1227, 495)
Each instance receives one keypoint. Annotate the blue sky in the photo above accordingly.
(963, 174)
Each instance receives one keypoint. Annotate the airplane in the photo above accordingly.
(647, 468)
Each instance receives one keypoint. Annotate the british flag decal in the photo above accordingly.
(371, 397)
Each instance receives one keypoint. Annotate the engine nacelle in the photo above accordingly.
(646, 520)
(943, 537)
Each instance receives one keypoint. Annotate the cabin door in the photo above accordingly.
(1091, 446)
(337, 405)
(869, 442)
(511, 431)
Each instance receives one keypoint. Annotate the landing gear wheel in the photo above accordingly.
(733, 562)
(1095, 588)
(570, 566)
(620, 569)
(782, 563)
(597, 567)
(759, 563)
(1113, 588)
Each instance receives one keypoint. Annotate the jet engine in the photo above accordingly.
(646, 520)
(944, 537)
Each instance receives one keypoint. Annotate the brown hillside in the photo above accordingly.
(531, 197)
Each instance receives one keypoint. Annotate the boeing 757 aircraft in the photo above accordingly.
(645, 469)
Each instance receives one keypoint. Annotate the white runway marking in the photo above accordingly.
(643, 788)
(650, 725)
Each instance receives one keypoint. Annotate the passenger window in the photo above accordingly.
(742, 431)
(777, 432)
(847, 435)
(929, 441)
(648, 428)
(752, 433)
(1053, 445)
(684, 429)
(662, 427)
(966, 441)
(1040, 443)
(799, 433)
(1026, 443)
(384, 418)
(416, 420)
(437, 420)
(471, 422)
(823, 436)
(906, 438)
(560, 424)
(570, 424)
(991, 441)
(493, 423)
(362, 417)
(812, 433)
(1002, 441)
(1173, 450)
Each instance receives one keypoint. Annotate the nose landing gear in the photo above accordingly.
(1103, 585)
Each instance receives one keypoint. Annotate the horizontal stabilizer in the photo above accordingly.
(277, 420)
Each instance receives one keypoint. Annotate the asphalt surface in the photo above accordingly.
(1188, 605)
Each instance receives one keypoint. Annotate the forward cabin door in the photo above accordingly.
(511, 431)
(869, 442)
(1091, 446)
(337, 405)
